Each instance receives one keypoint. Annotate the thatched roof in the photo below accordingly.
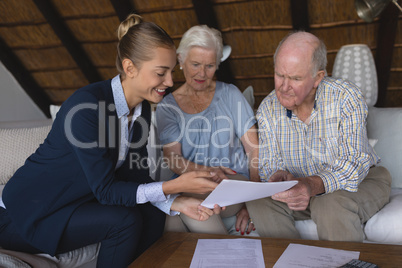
(54, 47)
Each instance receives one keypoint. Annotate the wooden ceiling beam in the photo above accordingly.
(68, 39)
(206, 15)
(24, 78)
(299, 11)
(123, 8)
(387, 31)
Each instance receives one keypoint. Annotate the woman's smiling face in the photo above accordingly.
(150, 81)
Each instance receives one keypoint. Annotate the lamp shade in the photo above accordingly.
(356, 64)
(226, 52)
(369, 9)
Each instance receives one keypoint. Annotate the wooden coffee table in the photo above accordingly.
(177, 249)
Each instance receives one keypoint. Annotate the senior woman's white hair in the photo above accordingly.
(201, 36)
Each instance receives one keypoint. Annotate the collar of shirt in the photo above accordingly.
(123, 111)
(289, 112)
(319, 89)
(120, 100)
(146, 192)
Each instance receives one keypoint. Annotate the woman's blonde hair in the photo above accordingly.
(138, 39)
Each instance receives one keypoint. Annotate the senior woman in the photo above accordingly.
(208, 125)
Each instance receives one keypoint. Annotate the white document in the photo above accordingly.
(240, 252)
(230, 192)
(297, 255)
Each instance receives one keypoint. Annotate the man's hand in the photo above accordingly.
(298, 197)
(281, 175)
(192, 208)
(197, 182)
(243, 221)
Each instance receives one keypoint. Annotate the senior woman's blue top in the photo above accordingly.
(211, 137)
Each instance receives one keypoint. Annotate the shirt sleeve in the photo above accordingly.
(153, 193)
(166, 205)
(270, 157)
(150, 192)
(168, 121)
(355, 155)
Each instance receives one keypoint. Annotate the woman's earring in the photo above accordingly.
(181, 68)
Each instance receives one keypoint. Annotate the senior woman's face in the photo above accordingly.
(199, 67)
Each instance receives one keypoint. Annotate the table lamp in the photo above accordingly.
(356, 63)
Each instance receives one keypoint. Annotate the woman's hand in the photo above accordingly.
(192, 208)
(197, 182)
(221, 172)
(180, 165)
(243, 221)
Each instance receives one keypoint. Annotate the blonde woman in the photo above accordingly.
(82, 186)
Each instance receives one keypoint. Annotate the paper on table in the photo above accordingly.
(230, 192)
(297, 255)
(240, 252)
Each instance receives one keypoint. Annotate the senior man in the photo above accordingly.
(312, 128)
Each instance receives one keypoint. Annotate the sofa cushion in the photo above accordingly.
(53, 110)
(76, 258)
(385, 226)
(307, 229)
(385, 126)
(12, 262)
(16, 146)
(248, 93)
(22, 259)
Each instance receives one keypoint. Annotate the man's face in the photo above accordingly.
(294, 81)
